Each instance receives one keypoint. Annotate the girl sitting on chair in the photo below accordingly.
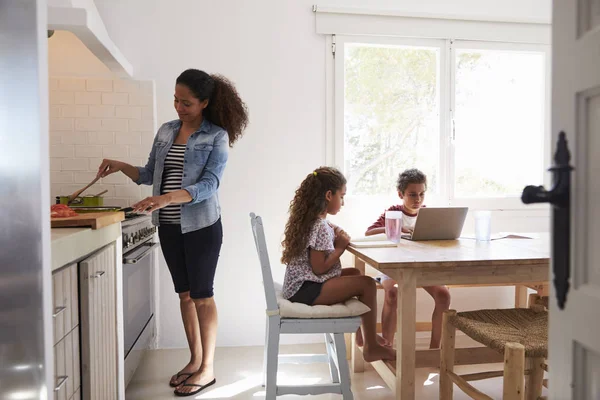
(312, 248)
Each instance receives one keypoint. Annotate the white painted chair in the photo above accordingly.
(278, 323)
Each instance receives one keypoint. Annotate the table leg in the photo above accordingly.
(356, 359)
(520, 296)
(405, 336)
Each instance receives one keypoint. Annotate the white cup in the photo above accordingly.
(483, 225)
(393, 225)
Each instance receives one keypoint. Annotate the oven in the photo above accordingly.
(139, 258)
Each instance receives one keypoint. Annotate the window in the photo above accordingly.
(472, 115)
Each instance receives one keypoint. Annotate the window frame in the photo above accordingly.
(335, 91)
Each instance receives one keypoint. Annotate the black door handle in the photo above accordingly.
(560, 198)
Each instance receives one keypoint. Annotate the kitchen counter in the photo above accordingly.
(71, 244)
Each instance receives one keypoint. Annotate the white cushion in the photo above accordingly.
(350, 308)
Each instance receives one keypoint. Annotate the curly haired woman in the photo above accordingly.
(312, 248)
(185, 167)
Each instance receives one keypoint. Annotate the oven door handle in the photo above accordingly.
(134, 260)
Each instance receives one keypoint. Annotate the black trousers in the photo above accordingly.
(192, 257)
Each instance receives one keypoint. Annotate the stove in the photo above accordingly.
(136, 229)
(139, 259)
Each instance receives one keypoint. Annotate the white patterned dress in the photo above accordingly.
(299, 270)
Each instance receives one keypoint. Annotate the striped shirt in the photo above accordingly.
(171, 182)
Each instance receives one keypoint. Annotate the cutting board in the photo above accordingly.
(94, 220)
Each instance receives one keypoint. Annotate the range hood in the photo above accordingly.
(81, 17)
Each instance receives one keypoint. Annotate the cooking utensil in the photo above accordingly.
(101, 193)
(78, 192)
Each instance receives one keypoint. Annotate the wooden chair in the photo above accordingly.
(277, 324)
(521, 334)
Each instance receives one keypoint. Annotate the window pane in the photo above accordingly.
(391, 116)
(500, 120)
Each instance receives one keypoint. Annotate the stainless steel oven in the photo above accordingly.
(139, 257)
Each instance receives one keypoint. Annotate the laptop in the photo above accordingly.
(438, 223)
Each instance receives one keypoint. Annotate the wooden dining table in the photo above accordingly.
(522, 262)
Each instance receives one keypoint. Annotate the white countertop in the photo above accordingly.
(71, 244)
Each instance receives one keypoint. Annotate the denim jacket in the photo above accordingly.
(204, 162)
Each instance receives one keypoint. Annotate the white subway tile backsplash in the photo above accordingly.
(94, 164)
(119, 99)
(88, 98)
(148, 113)
(99, 85)
(73, 137)
(55, 138)
(65, 190)
(147, 140)
(54, 111)
(114, 125)
(61, 177)
(62, 151)
(126, 86)
(115, 151)
(74, 164)
(137, 125)
(131, 190)
(61, 124)
(97, 188)
(53, 84)
(118, 178)
(71, 85)
(75, 111)
(62, 98)
(88, 151)
(130, 112)
(55, 164)
(102, 111)
(88, 124)
(132, 138)
(85, 178)
(101, 138)
(139, 99)
(141, 152)
(92, 119)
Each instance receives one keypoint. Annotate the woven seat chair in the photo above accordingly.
(521, 334)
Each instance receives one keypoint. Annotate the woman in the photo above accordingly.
(185, 167)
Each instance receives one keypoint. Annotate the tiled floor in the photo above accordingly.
(238, 372)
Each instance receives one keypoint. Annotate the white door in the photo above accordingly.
(574, 360)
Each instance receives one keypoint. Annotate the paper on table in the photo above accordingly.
(379, 240)
(501, 235)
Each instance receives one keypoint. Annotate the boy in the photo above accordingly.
(412, 185)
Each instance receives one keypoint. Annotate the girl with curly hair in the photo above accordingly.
(312, 248)
(185, 167)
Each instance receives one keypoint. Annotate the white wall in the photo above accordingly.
(270, 50)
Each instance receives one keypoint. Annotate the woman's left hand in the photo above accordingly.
(150, 204)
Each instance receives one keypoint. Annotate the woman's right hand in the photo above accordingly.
(109, 167)
(342, 240)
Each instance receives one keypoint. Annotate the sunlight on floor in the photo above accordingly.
(429, 379)
(233, 389)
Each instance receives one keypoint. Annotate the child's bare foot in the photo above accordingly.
(378, 352)
(381, 340)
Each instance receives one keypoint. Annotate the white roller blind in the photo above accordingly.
(357, 21)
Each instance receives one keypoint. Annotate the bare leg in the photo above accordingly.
(441, 296)
(389, 312)
(207, 317)
(339, 289)
(192, 333)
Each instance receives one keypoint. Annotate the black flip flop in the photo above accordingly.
(201, 388)
(188, 374)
